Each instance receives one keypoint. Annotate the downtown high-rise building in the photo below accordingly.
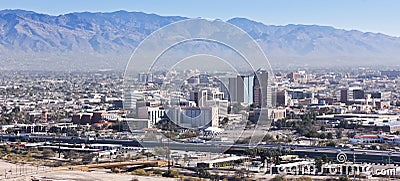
(241, 89)
(262, 89)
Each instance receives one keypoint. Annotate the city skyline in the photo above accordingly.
(167, 90)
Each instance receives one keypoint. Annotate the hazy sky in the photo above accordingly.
(365, 15)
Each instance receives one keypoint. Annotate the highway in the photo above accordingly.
(360, 155)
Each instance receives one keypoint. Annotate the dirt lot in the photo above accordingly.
(19, 172)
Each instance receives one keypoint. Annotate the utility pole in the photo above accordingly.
(59, 143)
(168, 147)
(119, 125)
(354, 162)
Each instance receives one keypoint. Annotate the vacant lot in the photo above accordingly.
(9, 171)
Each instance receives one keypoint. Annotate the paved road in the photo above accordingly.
(218, 147)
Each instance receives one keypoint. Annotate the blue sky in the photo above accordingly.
(366, 15)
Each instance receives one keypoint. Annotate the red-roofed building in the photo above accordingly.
(367, 139)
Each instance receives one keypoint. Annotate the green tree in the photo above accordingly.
(7, 149)
(71, 155)
(329, 135)
(236, 108)
(148, 154)
(157, 172)
(268, 138)
(48, 153)
(202, 173)
(117, 126)
(279, 178)
(384, 146)
(119, 158)
(331, 143)
(322, 136)
(87, 158)
(325, 158)
(304, 179)
(318, 163)
(344, 178)
(223, 122)
(140, 172)
(171, 173)
(339, 134)
(240, 173)
(351, 135)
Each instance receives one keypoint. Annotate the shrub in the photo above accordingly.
(279, 178)
(140, 172)
(87, 158)
(115, 170)
(171, 173)
(48, 153)
(157, 172)
(344, 178)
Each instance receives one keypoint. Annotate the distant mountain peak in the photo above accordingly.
(19, 12)
(95, 38)
(238, 20)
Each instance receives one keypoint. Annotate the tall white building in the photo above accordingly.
(153, 114)
(221, 105)
(241, 88)
(130, 99)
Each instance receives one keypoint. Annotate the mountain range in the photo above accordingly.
(91, 41)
